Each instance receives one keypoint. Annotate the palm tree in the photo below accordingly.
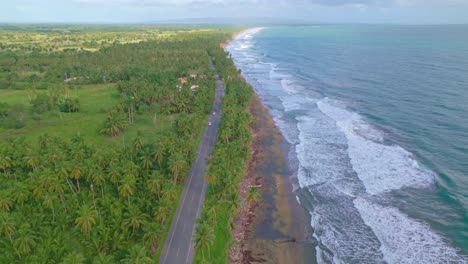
(74, 258)
(253, 195)
(5, 162)
(134, 219)
(146, 161)
(137, 255)
(131, 169)
(176, 165)
(52, 158)
(101, 159)
(49, 201)
(5, 202)
(211, 178)
(20, 193)
(138, 142)
(76, 174)
(103, 259)
(154, 184)
(63, 171)
(78, 153)
(32, 161)
(153, 233)
(170, 145)
(86, 219)
(127, 187)
(7, 225)
(58, 187)
(25, 242)
(159, 153)
(225, 135)
(99, 179)
(114, 174)
(162, 212)
(213, 212)
(115, 124)
(232, 202)
(171, 192)
(44, 140)
(203, 237)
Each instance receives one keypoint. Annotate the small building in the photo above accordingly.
(70, 79)
(194, 88)
(183, 80)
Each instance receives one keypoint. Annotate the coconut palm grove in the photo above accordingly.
(98, 128)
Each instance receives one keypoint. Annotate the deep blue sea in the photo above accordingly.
(377, 119)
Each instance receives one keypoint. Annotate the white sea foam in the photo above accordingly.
(381, 168)
(405, 240)
(323, 156)
(288, 86)
(287, 130)
(275, 75)
(246, 45)
(339, 227)
(293, 102)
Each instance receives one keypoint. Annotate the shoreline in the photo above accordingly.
(275, 228)
(234, 36)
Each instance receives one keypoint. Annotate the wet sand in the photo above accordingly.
(275, 229)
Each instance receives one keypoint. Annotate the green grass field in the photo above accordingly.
(96, 101)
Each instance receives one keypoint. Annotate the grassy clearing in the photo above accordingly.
(96, 101)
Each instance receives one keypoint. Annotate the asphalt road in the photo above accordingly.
(179, 248)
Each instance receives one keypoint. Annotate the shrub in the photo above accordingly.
(4, 84)
(12, 116)
(41, 103)
(69, 105)
(115, 124)
(41, 86)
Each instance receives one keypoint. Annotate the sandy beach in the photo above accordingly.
(275, 229)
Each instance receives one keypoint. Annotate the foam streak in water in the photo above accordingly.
(403, 239)
(380, 167)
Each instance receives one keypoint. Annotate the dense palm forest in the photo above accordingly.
(95, 144)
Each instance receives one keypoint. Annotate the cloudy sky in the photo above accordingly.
(331, 11)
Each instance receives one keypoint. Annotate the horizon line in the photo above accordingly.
(181, 23)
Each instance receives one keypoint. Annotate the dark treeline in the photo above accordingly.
(160, 61)
(67, 201)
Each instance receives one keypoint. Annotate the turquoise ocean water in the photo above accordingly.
(377, 119)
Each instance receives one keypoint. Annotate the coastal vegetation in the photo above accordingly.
(227, 167)
(98, 128)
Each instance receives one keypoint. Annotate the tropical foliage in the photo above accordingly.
(94, 198)
(227, 166)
